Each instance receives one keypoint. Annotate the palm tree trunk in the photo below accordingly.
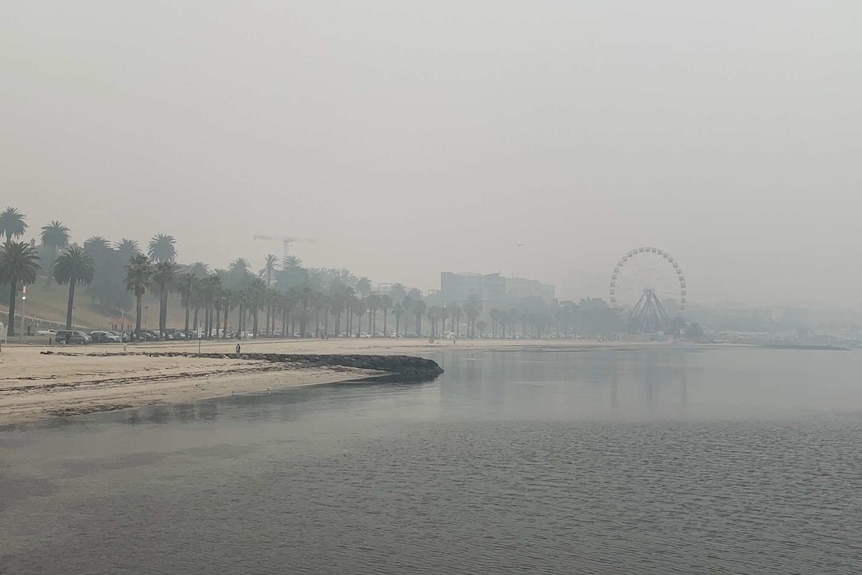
(266, 325)
(197, 309)
(139, 304)
(13, 292)
(186, 328)
(385, 320)
(72, 283)
(163, 311)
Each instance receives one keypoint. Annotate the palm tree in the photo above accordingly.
(12, 224)
(19, 263)
(269, 268)
(127, 249)
(419, 308)
(494, 314)
(398, 310)
(74, 266)
(472, 309)
(55, 238)
(291, 262)
(198, 269)
(184, 284)
(162, 248)
(456, 313)
(162, 281)
(482, 326)
(385, 305)
(363, 286)
(373, 302)
(139, 270)
(95, 245)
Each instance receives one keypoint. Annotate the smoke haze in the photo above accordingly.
(413, 138)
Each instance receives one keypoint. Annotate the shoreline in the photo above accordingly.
(40, 382)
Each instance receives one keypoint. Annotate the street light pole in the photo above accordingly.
(23, 310)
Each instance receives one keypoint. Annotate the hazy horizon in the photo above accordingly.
(414, 139)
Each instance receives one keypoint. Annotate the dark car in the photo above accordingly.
(104, 337)
(72, 336)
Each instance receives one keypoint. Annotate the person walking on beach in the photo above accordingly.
(238, 348)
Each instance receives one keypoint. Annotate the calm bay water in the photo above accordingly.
(654, 461)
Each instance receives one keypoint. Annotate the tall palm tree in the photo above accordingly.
(139, 270)
(74, 266)
(55, 238)
(127, 249)
(291, 262)
(96, 244)
(239, 266)
(184, 283)
(19, 263)
(363, 286)
(270, 266)
(419, 308)
(162, 248)
(398, 310)
(162, 281)
(12, 224)
(472, 309)
(198, 269)
(385, 306)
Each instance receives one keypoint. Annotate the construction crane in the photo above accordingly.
(285, 242)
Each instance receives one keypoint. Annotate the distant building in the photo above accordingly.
(493, 290)
(522, 288)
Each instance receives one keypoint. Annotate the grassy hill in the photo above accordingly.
(47, 303)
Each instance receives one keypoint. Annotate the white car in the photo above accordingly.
(47, 332)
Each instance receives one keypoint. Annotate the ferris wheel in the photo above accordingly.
(645, 281)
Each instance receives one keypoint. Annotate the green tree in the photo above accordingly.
(139, 270)
(162, 282)
(74, 266)
(19, 264)
(12, 223)
(162, 248)
(55, 238)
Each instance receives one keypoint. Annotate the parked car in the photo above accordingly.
(104, 337)
(73, 336)
(49, 332)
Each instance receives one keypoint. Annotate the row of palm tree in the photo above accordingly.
(19, 265)
(284, 291)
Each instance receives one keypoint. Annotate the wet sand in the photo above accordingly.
(83, 379)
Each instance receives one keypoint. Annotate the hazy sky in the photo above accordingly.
(411, 138)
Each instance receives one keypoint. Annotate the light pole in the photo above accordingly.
(23, 310)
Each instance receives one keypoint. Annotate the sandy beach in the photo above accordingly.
(83, 379)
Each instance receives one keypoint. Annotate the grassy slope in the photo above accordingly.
(49, 303)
